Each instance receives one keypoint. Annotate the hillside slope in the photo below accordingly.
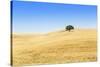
(55, 47)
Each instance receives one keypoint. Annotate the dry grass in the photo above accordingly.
(55, 47)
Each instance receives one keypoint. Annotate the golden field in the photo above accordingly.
(55, 47)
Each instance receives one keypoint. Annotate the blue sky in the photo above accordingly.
(39, 17)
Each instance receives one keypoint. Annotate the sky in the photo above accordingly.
(40, 17)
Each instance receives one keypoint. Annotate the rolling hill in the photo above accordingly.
(55, 47)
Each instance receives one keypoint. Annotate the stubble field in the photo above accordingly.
(55, 47)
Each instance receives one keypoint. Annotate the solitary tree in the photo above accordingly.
(69, 28)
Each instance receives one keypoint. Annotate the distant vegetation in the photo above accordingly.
(69, 28)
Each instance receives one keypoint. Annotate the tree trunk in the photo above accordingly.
(69, 30)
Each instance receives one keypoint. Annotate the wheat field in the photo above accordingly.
(55, 47)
